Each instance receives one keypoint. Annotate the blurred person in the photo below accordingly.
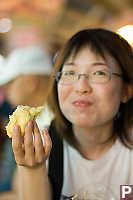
(26, 73)
(89, 146)
(25, 78)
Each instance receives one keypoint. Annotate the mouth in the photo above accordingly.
(81, 103)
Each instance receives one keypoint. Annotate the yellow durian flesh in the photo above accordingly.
(21, 116)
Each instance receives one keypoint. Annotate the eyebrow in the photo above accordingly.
(92, 64)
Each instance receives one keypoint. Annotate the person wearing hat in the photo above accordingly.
(24, 75)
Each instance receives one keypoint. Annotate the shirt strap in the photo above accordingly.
(56, 162)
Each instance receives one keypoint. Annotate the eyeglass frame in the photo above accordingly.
(86, 75)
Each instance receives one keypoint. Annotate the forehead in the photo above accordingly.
(87, 56)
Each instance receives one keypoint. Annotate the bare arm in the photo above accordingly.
(31, 159)
(34, 184)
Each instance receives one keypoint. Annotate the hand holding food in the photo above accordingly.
(21, 116)
(28, 151)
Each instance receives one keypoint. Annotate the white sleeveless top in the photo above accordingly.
(97, 179)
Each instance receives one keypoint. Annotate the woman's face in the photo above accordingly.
(87, 104)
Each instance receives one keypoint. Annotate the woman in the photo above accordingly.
(91, 97)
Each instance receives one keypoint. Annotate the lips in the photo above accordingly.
(81, 103)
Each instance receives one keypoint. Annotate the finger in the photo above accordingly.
(17, 142)
(39, 151)
(48, 143)
(28, 144)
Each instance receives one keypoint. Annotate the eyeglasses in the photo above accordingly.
(97, 76)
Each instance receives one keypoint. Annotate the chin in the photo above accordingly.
(81, 123)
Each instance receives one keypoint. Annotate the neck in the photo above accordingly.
(94, 142)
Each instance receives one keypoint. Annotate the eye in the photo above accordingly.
(68, 73)
(100, 73)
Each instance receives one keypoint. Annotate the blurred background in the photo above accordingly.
(44, 25)
(52, 22)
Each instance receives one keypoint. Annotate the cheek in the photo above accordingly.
(63, 94)
(110, 98)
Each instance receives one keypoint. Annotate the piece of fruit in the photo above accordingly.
(21, 116)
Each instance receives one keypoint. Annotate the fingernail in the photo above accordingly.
(30, 123)
(15, 128)
(45, 131)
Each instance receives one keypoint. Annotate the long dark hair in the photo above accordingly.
(104, 43)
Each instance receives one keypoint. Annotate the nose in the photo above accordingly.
(82, 85)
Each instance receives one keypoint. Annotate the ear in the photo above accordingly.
(127, 93)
